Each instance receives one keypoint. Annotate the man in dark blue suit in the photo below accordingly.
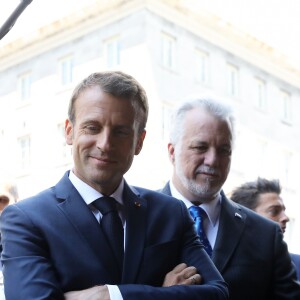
(263, 196)
(247, 249)
(53, 244)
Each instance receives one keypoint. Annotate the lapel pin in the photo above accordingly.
(238, 215)
(137, 204)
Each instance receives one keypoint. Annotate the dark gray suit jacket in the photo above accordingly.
(251, 255)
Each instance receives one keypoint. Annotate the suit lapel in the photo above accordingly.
(231, 226)
(85, 224)
(136, 210)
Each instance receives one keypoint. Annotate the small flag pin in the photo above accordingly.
(238, 215)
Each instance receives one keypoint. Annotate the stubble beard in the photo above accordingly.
(204, 191)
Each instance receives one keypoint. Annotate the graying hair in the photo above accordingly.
(215, 108)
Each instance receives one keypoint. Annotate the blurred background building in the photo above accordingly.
(175, 51)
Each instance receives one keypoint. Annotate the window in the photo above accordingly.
(24, 152)
(112, 52)
(66, 71)
(260, 94)
(286, 167)
(232, 80)
(286, 106)
(202, 64)
(24, 87)
(168, 51)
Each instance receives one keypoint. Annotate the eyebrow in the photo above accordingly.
(276, 205)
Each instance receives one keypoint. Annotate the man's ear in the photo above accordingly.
(140, 143)
(171, 151)
(69, 132)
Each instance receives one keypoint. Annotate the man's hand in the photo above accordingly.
(94, 293)
(182, 275)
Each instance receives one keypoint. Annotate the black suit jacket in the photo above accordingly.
(52, 244)
(251, 255)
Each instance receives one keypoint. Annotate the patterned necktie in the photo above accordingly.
(198, 214)
(112, 226)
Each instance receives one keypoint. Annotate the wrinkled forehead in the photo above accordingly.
(200, 122)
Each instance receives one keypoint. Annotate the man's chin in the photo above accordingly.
(206, 194)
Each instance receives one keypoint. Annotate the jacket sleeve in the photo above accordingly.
(285, 278)
(28, 272)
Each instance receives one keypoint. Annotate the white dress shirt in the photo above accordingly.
(89, 195)
(212, 209)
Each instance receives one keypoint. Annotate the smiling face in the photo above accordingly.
(270, 205)
(202, 157)
(105, 138)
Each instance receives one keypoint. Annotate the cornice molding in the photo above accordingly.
(228, 37)
(66, 29)
(203, 24)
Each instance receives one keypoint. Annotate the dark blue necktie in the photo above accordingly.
(198, 214)
(112, 226)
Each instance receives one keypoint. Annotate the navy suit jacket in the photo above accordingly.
(296, 260)
(52, 244)
(251, 255)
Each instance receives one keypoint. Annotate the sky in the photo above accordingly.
(275, 22)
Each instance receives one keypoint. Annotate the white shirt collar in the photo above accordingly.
(212, 208)
(89, 194)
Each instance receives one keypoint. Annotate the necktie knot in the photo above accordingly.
(106, 205)
(197, 212)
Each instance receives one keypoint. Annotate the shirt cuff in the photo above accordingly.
(114, 292)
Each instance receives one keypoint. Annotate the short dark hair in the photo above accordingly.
(248, 193)
(118, 84)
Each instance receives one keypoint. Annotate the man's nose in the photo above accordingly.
(211, 157)
(284, 218)
(104, 140)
